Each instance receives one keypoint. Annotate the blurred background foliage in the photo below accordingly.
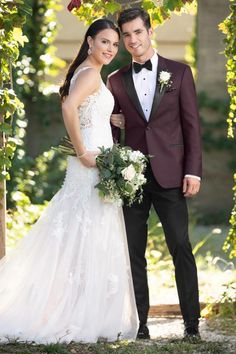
(36, 173)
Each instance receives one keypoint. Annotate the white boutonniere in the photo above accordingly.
(164, 79)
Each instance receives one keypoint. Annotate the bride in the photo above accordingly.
(69, 278)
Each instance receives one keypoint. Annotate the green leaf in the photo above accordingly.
(6, 128)
(105, 173)
(26, 8)
(112, 7)
(128, 188)
(19, 37)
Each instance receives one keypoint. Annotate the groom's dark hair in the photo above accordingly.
(131, 14)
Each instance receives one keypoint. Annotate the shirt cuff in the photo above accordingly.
(192, 176)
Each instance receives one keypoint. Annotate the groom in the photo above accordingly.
(158, 100)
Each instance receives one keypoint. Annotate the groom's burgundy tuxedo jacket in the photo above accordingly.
(172, 134)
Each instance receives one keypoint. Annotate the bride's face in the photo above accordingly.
(104, 46)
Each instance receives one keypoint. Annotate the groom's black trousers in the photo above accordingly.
(170, 206)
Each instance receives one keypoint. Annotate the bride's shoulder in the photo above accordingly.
(87, 76)
(86, 72)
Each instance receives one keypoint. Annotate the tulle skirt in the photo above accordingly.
(69, 278)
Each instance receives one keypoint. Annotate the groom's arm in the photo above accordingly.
(116, 132)
(190, 125)
(192, 135)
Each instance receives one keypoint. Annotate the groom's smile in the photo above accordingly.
(137, 40)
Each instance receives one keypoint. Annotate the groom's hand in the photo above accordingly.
(191, 186)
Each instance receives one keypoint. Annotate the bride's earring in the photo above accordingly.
(89, 51)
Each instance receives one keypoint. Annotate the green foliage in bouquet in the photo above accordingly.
(121, 172)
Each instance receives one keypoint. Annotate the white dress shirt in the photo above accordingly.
(145, 86)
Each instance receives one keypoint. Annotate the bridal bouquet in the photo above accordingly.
(121, 172)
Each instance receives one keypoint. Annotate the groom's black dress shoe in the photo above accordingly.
(143, 332)
(191, 331)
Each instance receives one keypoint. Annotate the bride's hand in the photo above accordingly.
(88, 159)
(118, 120)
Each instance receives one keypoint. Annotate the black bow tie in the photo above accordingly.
(138, 67)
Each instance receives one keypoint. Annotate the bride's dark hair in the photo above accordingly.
(96, 27)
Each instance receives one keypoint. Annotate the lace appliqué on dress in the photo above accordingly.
(85, 109)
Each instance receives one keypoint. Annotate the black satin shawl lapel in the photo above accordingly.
(158, 95)
(131, 92)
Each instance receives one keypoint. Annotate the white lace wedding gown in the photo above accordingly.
(69, 279)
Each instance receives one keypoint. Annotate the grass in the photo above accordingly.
(224, 325)
(149, 347)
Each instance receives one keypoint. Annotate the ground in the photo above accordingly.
(166, 336)
(215, 271)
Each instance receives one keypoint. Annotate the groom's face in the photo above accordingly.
(137, 38)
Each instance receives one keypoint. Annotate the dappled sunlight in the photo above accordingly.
(212, 281)
(214, 278)
(215, 270)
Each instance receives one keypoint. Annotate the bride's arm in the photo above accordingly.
(87, 82)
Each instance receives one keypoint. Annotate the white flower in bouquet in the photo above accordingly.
(135, 156)
(123, 155)
(141, 179)
(128, 173)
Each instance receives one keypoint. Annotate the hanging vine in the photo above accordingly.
(159, 10)
(228, 27)
(12, 18)
(36, 64)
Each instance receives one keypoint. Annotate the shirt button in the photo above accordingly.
(148, 128)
